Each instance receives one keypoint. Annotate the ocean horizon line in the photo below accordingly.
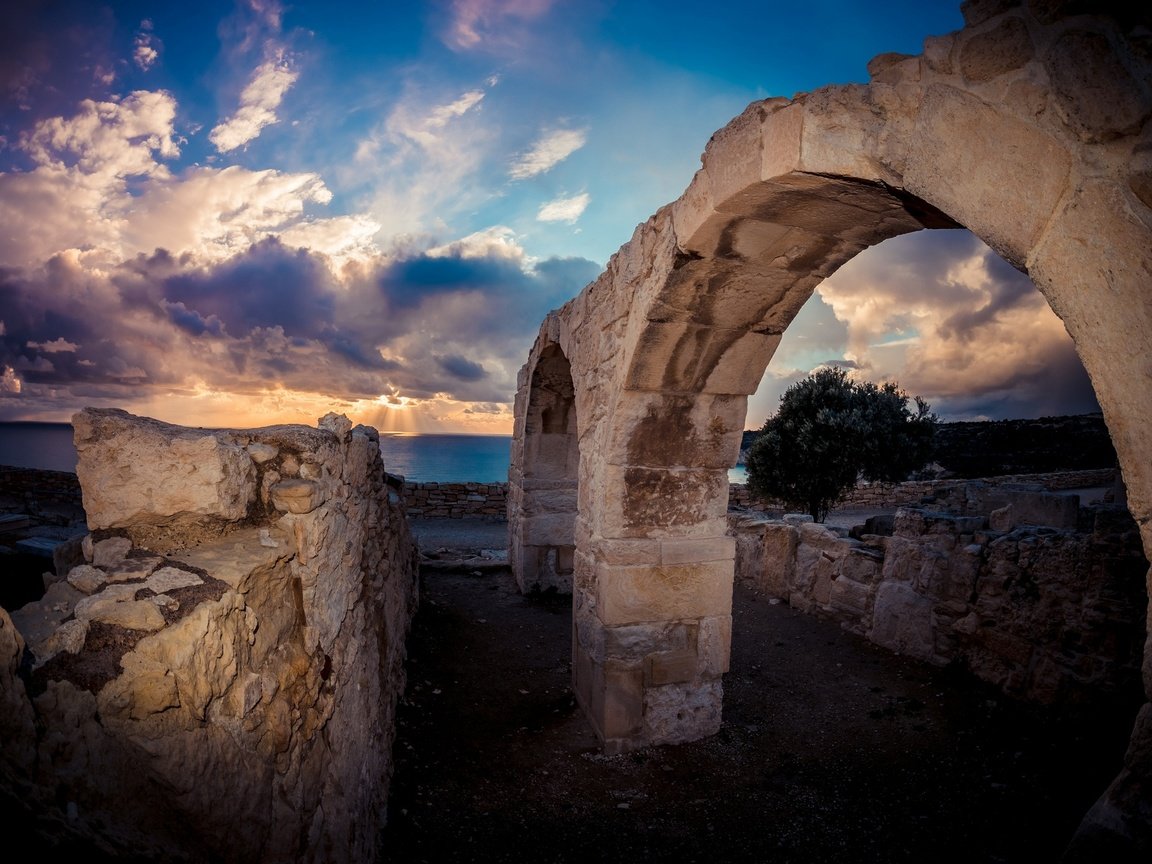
(418, 457)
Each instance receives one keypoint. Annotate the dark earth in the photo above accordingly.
(831, 750)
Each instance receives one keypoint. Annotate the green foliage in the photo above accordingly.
(830, 432)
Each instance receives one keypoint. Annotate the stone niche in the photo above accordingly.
(218, 680)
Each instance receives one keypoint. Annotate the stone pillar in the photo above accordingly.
(652, 595)
(652, 626)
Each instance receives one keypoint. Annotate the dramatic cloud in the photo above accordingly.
(269, 13)
(99, 185)
(145, 47)
(422, 330)
(548, 152)
(210, 284)
(113, 139)
(9, 382)
(948, 318)
(86, 167)
(418, 165)
(440, 116)
(217, 212)
(496, 242)
(258, 104)
(476, 22)
(564, 209)
(461, 368)
(53, 347)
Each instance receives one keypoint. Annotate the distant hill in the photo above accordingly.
(994, 447)
(1025, 446)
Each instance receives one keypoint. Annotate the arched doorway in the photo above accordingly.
(543, 490)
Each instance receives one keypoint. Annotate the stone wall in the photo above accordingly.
(1050, 614)
(218, 681)
(456, 500)
(912, 493)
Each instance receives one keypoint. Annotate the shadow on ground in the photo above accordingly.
(832, 750)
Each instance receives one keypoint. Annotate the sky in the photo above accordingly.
(251, 212)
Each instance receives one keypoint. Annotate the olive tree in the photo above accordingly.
(831, 432)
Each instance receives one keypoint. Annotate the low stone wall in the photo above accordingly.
(489, 500)
(457, 500)
(913, 493)
(218, 681)
(1050, 614)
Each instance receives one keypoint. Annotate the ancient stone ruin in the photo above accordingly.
(216, 676)
(1030, 127)
(1025, 589)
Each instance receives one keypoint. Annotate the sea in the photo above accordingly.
(440, 458)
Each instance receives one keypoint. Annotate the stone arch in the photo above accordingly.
(1030, 129)
(544, 478)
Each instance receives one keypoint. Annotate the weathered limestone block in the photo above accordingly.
(241, 561)
(632, 641)
(1015, 506)
(902, 621)
(110, 552)
(991, 53)
(677, 713)
(665, 503)
(962, 153)
(296, 495)
(1002, 519)
(337, 424)
(632, 595)
(37, 621)
(1095, 93)
(149, 688)
(696, 550)
(548, 529)
(852, 600)
(731, 161)
(832, 142)
(68, 638)
(670, 667)
(129, 614)
(749, 555)
(87, 579)
(171, 579)
(668, 431)
(818, 555)
(261, 453)
(135, 470)
(557, 496)
(863, 565)
(202, 653)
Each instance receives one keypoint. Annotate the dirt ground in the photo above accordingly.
(831, 749)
